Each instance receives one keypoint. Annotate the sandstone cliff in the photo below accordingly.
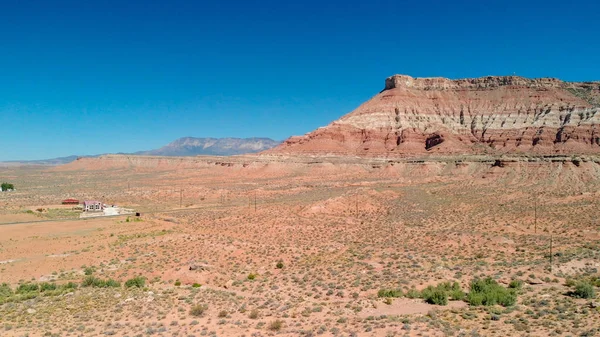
(493, 115)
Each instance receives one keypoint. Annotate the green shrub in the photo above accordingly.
(112, 283)
(69, 285)
(489, 292)
(5, 290)
(88, 271)
(177, 283)
(198, 310)
(96, 282)
(457, 294)
(223, 313)
(389, 293)
(435, 295)
(47, 286)
(251, 276)
(137, 281)
(27, 288)
(7, 186)
(196, 285)
(584, 290)
(452, 290)
(279, 265)
(92, 281)
(515, 284)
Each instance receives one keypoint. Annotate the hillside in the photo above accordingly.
(488, 115)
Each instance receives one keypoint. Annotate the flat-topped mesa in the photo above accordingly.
(441, 83)
(493, 114)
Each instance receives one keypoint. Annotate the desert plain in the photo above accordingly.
(301, 246)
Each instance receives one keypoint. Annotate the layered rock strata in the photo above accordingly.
(488, 115)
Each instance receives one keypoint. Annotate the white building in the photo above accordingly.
(93, 206)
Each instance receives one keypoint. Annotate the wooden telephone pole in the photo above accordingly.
(550, 252)
(535, 215)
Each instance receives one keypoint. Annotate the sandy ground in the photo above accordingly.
(342, 232)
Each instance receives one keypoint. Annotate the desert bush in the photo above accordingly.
(390, 293)
(584, 290)
(27, 288)
(198, 310)
(47, 286)
(69, 285)
(276, 325)
(251, 276)
(452, 290)
(177, 283)
(112, 283)
(435, 295)
(5, 290)
(7, 186)
(137, 281)
(222, 313)
(570, 282)
(196, 285)
(92, 281)
(279, 265)
(413, 293)
(439, 294)
(489, 292)
(253, 314)
(515, 284)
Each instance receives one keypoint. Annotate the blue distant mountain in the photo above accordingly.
(182, 147)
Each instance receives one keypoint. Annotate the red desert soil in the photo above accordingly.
(342, 229)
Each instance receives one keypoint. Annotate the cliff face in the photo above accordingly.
(495, 114)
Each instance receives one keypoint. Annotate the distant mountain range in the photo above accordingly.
(190, 146)
(186, 146)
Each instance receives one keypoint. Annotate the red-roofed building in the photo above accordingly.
(70, 202)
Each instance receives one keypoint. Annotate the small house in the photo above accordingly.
(93, 206)
(70, 202)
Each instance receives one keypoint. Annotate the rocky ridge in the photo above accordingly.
(488, 115)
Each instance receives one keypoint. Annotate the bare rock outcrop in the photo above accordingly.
(487, 115)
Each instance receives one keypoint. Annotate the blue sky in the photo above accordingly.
(89, 77)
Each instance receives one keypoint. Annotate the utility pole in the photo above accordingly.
(254, 201)
(535, 215)
(550, 252)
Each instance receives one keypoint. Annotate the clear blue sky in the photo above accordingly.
(89, 77)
